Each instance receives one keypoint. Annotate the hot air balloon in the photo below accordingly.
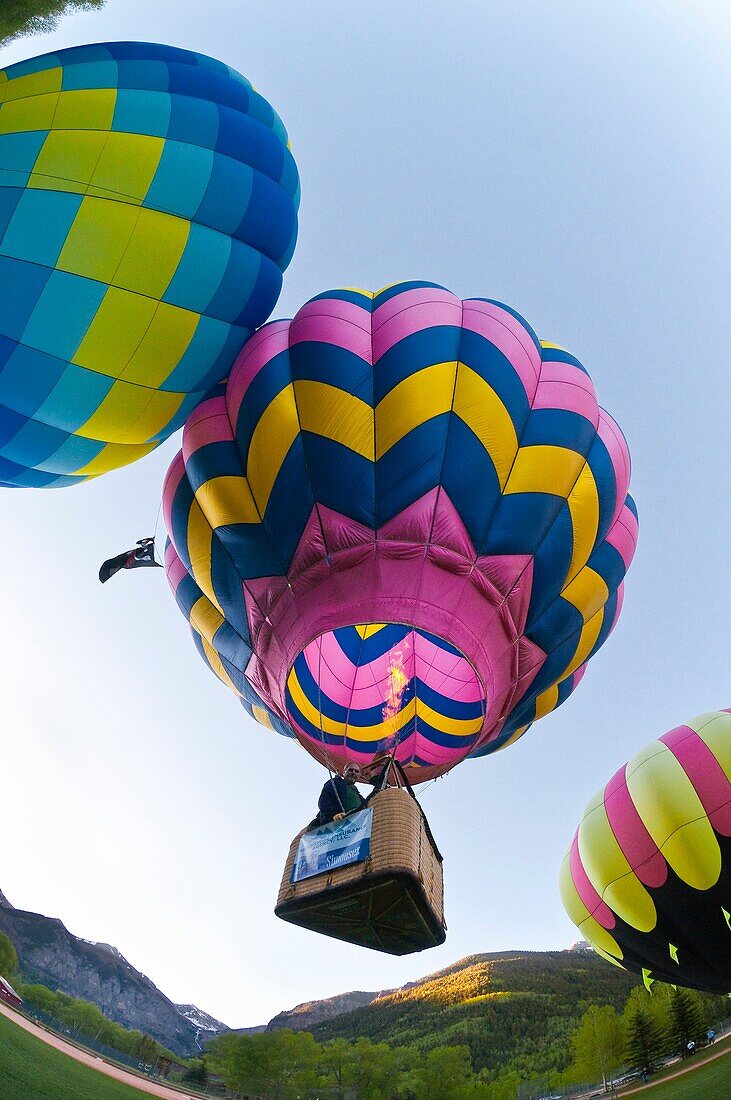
(648, 876)
(401, 529)
(403, 525)
(148, 207)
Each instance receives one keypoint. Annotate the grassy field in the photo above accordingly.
(30, 1070)
(709, 1081)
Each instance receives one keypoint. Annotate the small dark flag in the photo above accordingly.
(142, 555)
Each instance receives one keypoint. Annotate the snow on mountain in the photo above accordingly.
(202, 1020)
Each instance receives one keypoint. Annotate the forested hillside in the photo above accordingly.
(494, 1027)
(514, 1010)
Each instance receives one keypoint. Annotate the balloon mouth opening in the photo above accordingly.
(360, 691)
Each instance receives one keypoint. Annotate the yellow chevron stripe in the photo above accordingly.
(546, 702)
(319, 408)
(340, 729)
(274, 434)
(453, 726)
(261, 716)
(609, 872)
(456, 727)
(216, 664)
(514, 737)
(597, 936)
(205, 619)
(587, 592)
(227, 499)
(335, 414)
(587, 641)
(418, 398)
(544, 469)
(199, 538)
(674, 816)
(477, 404)
(583, 504)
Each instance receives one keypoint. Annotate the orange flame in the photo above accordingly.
(397, 683)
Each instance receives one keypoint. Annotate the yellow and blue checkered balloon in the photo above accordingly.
(148, 208)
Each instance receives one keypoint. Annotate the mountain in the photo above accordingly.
(97, 972)
(206, 1025)
(309, 1014)
(513, 1009)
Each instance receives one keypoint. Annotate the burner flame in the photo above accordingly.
(397, 683)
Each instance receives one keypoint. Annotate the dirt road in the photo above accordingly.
(143, 1084)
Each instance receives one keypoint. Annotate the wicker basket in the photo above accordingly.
(393, 901)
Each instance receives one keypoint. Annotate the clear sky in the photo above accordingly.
(570, 159)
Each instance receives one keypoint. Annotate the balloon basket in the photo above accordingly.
(393, 901)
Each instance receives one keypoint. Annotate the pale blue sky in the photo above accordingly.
(569, 159)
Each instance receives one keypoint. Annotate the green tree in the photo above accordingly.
(655, 1004)
(506, 1088)
(19, 17)
(269, 1064)
(687, 1019)
(86, 1018)
(239, 1060)
(645, 1040)
(293, 1057)
(444, 1074)
(8, 956)
(39, 996)
(374, 1068)
(336, 1065)
(146, 1049)
(597, 1045)
(197, 1071)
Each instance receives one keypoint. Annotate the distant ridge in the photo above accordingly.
(311, 1013)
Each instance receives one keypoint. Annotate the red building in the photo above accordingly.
(8, 994)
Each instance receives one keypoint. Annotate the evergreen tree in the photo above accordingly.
(645, 1040)
(687, 1020)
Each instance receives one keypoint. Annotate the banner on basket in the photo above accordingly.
(333, 845)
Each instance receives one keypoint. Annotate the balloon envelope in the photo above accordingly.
(148, 207)
(402, 527)
(648, 876)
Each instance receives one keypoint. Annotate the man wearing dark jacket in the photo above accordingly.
(340, 796)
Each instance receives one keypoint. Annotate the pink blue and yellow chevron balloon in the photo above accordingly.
(148, 207)
(402, 527)
(647, 879)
